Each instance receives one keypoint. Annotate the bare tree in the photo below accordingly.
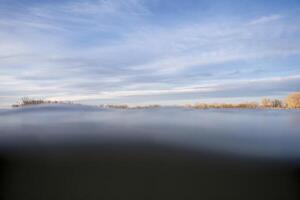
(276, 103)
(266, 103)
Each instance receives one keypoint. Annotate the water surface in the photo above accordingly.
(258, 133)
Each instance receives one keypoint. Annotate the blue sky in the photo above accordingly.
(149, 51)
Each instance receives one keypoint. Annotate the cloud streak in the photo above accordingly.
(265, 19)
(278, 86)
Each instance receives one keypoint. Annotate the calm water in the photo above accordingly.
(259, 133)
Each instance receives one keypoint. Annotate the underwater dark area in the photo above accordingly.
(85, 152)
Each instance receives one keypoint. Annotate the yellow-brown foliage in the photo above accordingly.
(250, 105)
(293, 100)
(271, 103)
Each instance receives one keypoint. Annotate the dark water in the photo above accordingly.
(79, 152)
(261, 133)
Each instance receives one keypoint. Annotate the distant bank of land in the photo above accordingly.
(292, 101)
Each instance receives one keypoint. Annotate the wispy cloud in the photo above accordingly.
(258, 87)
(104, 7)
(265, 19)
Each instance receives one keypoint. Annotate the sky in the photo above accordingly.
(149, 51)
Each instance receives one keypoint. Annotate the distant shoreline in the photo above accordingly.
(192, 107)
(292, 101)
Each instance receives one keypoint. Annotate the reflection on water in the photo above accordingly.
(263, 133)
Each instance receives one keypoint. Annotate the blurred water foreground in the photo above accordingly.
(82, 152)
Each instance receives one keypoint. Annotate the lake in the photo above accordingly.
(81, 152)
(258, 133)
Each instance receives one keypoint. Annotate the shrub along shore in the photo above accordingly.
(292, 101)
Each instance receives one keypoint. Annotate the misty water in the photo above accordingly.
(258, 133)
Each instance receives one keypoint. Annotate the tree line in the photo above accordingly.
(292, 101)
